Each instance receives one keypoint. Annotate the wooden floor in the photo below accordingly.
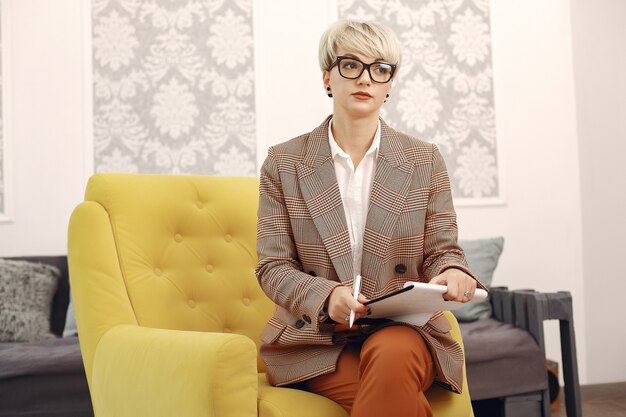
(603, 400)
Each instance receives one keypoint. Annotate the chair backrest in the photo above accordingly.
(186, 247)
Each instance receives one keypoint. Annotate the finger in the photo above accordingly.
(453, 293)
(471, 290)
(460, 293)
(356, 306)
(339, 314)
(342, 318)
(359, 316)
(363, 299)
(439, 280)
(360, 310)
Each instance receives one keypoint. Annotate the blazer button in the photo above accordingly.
(299, 324)
(307, 318)
(401, 268)
(312, 273)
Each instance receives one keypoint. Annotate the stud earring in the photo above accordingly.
(387, 97)
(329, 93)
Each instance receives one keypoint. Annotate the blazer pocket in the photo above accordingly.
(272, 331)
(304, 336)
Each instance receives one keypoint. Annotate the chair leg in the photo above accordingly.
(570, 368)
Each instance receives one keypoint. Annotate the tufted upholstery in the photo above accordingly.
(167, 305)
(196, 269)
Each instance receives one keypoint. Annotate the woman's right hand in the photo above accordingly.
(341, 301)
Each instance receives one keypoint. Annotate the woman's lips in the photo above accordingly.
(362, 96)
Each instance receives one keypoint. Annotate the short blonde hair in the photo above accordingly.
(368, 38)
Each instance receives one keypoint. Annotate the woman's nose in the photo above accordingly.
(365, 78)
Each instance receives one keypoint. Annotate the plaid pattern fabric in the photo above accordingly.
(304, 247)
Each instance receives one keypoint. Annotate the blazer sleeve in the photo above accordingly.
(279, 271)
(441, 250)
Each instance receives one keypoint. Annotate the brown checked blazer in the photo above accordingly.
(304, 247)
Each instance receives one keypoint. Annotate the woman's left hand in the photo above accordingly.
(461, 287)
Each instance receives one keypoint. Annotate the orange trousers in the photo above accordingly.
(385, 375)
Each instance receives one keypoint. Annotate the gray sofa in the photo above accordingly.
(45, 378)
(504, 354)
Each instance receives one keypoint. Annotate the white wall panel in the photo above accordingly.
(599, 30)
(47, 108)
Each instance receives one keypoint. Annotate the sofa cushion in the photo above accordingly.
(44, 378)
(501, 360)
(482, 256)
(41, 357)
(281, 401)
(70, 328)
(50, 395)
(26, 293)
(62, 295)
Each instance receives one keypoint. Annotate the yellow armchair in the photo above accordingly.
(167, 305)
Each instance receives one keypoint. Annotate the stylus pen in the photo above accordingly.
(357, 288)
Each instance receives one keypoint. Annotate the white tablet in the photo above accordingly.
(416, 302)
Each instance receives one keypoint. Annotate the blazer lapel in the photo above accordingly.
(318, 184)
(387, 201)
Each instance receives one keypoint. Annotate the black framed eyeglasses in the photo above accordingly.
(351, 68)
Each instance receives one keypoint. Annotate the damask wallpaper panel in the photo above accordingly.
(444, 90)
(174, 86)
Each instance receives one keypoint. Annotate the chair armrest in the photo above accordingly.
(140, 371)
(528, 309)
(532, 308)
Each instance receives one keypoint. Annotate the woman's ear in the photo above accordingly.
(326, 78)
(326, 81)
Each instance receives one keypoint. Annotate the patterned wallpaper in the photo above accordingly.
(174, 86)
(444, 87)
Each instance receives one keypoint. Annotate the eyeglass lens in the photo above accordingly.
(351, 68)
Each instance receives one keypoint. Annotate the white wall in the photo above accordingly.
(288, 106)
(536, 128)
(600, 68)
(535, 96)
(47, 114)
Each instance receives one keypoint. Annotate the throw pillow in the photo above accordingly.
(482, 256)
(70, 329)
(26, 293)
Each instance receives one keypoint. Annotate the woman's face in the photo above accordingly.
(360, 97)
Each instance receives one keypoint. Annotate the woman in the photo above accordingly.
(354, 197)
